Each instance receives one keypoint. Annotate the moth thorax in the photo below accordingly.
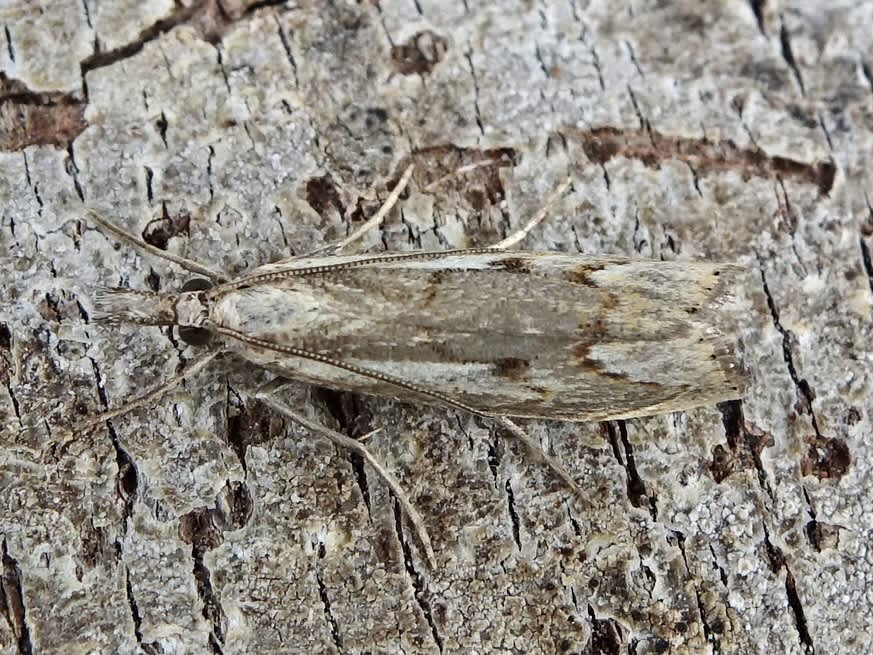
(191, 309)
(192, 312)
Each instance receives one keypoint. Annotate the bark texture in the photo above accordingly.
(238, 132)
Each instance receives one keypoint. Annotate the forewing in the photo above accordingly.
(537, 335)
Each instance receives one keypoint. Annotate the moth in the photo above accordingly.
(532, 335)
(496, 333)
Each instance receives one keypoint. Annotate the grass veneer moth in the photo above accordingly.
(499, 334)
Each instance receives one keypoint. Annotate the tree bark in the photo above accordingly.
(239, 132)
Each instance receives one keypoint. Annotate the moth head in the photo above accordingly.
(188, 309)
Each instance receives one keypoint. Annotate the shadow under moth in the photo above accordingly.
(499, 334)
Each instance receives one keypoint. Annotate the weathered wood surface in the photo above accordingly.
(237, 132)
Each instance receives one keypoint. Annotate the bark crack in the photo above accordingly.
(162, 125)
(219, 59)
(824, 129)
(286, 45)
(644, 124)
(149, 178)
(777, 561)
(208, 17)
(9, 47)
(513, 515)
(469, 57)
(212, 610)
(800, 384)
(12, 601)
(87, 11)
(494, 456)
(332, 623)
(98, 59)
(788, 55)
(867, 73)
(418, 584)
(616, 433)
(722, 574)
(126, 478)
(865, 231)
(354, 420)
(209, 160)
(745, 443)
(150, 648)
(695, 180)
(73, 171)
(633, 58)
(758, 10)
(595, 61)
(34, 186)
(708, 632)
(542, 63)
(6, 372)
(867, 261)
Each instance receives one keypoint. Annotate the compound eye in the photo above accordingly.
(195, 336)
(196, 284)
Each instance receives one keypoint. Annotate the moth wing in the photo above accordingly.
(543, 335)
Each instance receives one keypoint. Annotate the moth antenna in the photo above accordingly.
(110, 228)
(130, 306)
(537, 218)
(461, 170)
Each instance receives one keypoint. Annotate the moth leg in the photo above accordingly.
(124, 236)
(400, 383)
(267, 395)
(148, 398)
(537, 451)
(537, 218)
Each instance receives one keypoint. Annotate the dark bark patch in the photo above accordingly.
(478, 181)
(5, 337)
(419, 54)
(745, 443)
(822, 536)
(28, 118)
(606, 636)
(703, 155)
(198, 528)
(159, 231)
(251, 423)
(322, 194)
(827, 457)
